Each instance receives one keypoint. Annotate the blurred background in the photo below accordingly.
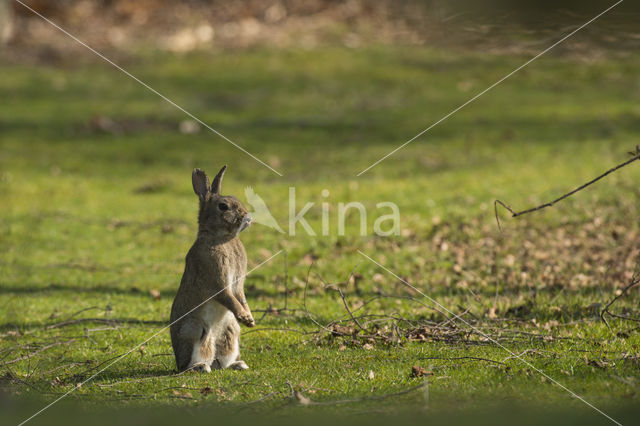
(200, 24)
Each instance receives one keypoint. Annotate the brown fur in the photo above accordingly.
(226, 343)
(214, 270)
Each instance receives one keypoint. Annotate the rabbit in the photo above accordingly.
(210, 301)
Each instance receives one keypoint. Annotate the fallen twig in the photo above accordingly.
(32, 354)
(471, 358)
(344, 299)
(308, 401)
(267, 396)
(635, 280)
(108, 321)
(290, 330)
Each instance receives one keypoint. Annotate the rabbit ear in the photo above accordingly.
(200, 183)
(216, 186)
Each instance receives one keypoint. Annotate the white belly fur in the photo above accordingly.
(215, 316)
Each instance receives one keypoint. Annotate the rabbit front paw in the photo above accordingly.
(246, 319)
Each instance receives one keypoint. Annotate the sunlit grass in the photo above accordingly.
(97, 218)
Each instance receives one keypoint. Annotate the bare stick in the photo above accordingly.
(346, 306)
(270, 309)
(286, 281)
(635, 280)
(635, 154)
(344, 299)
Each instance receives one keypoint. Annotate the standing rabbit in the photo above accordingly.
(208, 336)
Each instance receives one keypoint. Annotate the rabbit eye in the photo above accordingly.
(223, 206)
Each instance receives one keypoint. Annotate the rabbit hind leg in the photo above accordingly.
(203, 352)
(228, 347)
(196, 350)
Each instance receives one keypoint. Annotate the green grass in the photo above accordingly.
(96, 220)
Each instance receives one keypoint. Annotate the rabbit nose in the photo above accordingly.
(246, 221)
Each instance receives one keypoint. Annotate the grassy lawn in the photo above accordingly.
(98, 214)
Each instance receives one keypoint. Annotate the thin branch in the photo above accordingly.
(635, 154)
(286, 282)
(277, 311)
(304, 303)
(346, 306)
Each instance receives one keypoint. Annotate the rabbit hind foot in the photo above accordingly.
(238, 365)
(203, 354)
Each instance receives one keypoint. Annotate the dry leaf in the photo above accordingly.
(303, 400)
(189, 127)
(309, 258)
(600, 363)
(182, 394)
(263, 252)
(417, 371)
(378, 278)
(274, 161)
(492, 312)
(354, 278)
